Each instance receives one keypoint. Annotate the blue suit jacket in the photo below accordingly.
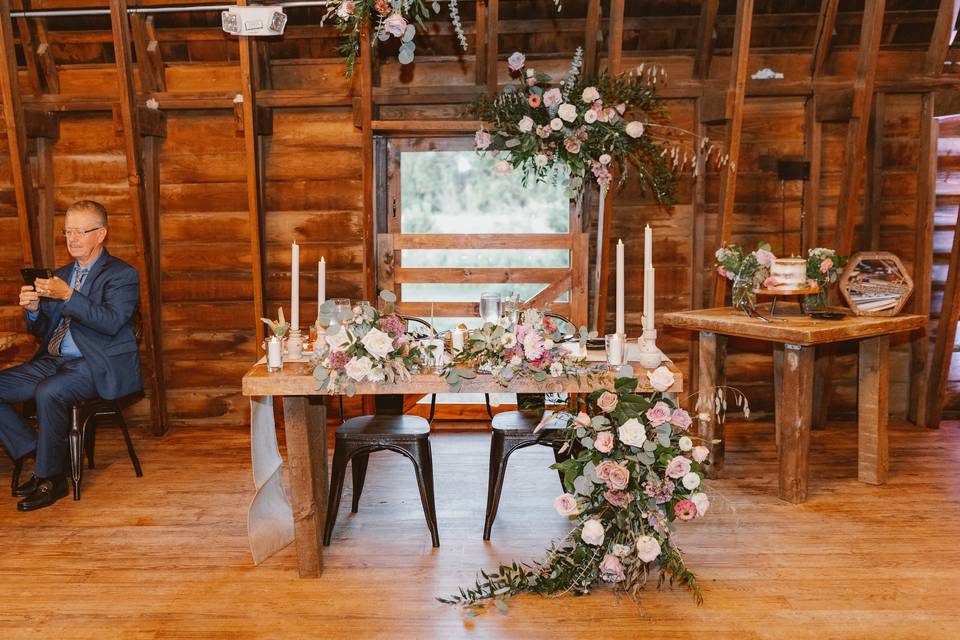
(99, 323)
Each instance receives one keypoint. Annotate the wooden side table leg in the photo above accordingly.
(305, 420)
(794, 409)
(777, 383)
(874, 454)
(713, 352)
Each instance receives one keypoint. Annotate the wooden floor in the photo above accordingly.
(165, 556)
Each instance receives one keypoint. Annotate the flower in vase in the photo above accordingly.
(516, 61)
(395, 25)
(826, 265)
(764, 257)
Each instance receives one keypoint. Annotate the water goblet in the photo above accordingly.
(491, 307)
(615, 346)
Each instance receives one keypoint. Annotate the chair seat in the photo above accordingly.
(394, 427)
(520, 422)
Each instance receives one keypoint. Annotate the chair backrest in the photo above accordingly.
(136, 323)
(418, 321)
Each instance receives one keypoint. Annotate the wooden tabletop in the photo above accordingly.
(802, 330)
(7, 339)
(296, 379)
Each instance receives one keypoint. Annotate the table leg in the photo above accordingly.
(873, 451)
(713, 351)
(305, 420)
(794, 409)
(777, 382)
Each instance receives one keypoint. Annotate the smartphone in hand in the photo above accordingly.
(30, 275)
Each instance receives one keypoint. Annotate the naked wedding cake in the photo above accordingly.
(790, 273)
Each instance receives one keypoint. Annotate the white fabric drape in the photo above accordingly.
(270, 517)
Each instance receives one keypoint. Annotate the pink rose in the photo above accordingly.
(516, 61)
(659, 413)
(604, 442)
(681, 419)
(481, 140)
(619, 499)
(502, 167)
(724, 273)
(572, 145)
(618, 476)
(685, 510)
(700, 453)
(603, 469)
(611, 570)
(566, 505)
(678, 467)
(826, 265)
(582, 420)
(395, 25)
(607, 401)
(552, 98)
(770, 283)
(346, 9)
(621, 108)
(764, 257)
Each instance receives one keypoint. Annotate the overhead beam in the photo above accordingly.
(145, 241)
(480, 44)
(493, 44)
(734, 107)
(706, 38)
(591, 33)
(940, 40)
(826, 23)
(254, 176)
(17, 142)
(946, 335)
(147, 48)
(812, 142)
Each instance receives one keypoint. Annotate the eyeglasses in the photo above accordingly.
(78, 233)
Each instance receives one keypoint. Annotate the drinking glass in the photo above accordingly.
(342, 312)
(491, 307)
(616, 347)
(437, 356)
(511, 307)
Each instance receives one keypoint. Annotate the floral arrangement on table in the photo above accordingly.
(365, 345)
(633, 472)
(277, 327)
(751, 271)
(510, 350)
(580, 127)
(391, 18)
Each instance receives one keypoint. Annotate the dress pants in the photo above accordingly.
(55, 383)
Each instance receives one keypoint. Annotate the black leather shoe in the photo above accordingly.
(25, 489)
(15, 485)
(48, 491)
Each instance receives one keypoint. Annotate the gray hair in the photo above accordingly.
(91, 206)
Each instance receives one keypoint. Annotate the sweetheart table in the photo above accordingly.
(274, 520)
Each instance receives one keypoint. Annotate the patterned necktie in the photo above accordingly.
(56, 340)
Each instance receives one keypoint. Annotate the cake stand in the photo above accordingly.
(811, 289)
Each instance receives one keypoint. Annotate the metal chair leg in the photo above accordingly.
(130, 451)
(496, 472)
(76, 451)
(421, 456)
(359, 468)
(340, 459)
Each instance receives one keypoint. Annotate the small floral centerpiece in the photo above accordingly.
(582, 127)
(751, 271)
(509, 350)
(277, 327)
(366, 346)
(632, 472)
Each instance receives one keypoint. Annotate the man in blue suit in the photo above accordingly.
(87, 348)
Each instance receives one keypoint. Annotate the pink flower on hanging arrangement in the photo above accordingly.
(601, 173)
(534, 101)
(346, 9)
(619, 499)
(516, 61)
(383, 7)
(552, 98)
(395, 25)
(571, 145)
(685, 510)
(481, 140)
(826, 265)
(339, 360)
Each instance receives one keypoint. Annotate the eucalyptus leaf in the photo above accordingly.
(646, 458)
(587, 442)
(409, 33)
(649, 446)
(663, 441)
(383, 36)
(405, 56)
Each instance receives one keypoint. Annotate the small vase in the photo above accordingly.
(274, 353)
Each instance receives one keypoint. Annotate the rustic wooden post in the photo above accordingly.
(946, 336)
(794, 403)
(713, 354)
(873, 456)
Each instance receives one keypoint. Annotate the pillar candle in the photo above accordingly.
(295, 286)
(647, 247)
(620, 328)
(321, 284)
(649, 291)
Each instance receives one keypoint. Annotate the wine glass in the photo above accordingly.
(491, 307)
(342, 313)
(511, 307)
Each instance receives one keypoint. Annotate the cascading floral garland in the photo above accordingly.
(581, 127)
(633, 471)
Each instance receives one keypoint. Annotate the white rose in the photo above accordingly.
(589, 116)
(632, 433)
(635, 129)
(702, 502)
(540, 160)
(593, 533)
(340, 340)
(567, 112)
(691, 481)
(590, 94)
(526, 124)
(376, 375)
(358, 368)
(516, 360)
(378, 343)
(647, 548)
(556, 369)
(556, 124)
(509, 340)
(605, 159)
(700, 453)
(685, 443)
(661, 379)
(548, 344)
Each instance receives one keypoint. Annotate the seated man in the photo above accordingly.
(87, 348)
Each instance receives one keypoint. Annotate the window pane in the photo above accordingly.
(476, 258)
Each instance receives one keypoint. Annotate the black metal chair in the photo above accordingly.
(387, 430)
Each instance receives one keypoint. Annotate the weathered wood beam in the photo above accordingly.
(873, 195)
(943, 348)
(940, 40)
(697, 252)
(493, 44)
(615, 48)
(366, 125)
(480, 44)
(17, 142)
(706, 38)
(734, 102)
(813, 153)
(252, 168)
(30, 57)
(147, 48)
(47, 63)
(923, 259)
(824, 37)
(145, 242)
(591, 36)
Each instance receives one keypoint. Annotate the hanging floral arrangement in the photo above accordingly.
(586, 128)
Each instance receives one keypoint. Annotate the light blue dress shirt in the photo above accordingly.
(68, 348)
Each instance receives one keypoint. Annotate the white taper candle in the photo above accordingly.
(294, 286)
(620, 302)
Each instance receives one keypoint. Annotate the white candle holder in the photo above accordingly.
(649, 356)
(294, 344)
(274, 353)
